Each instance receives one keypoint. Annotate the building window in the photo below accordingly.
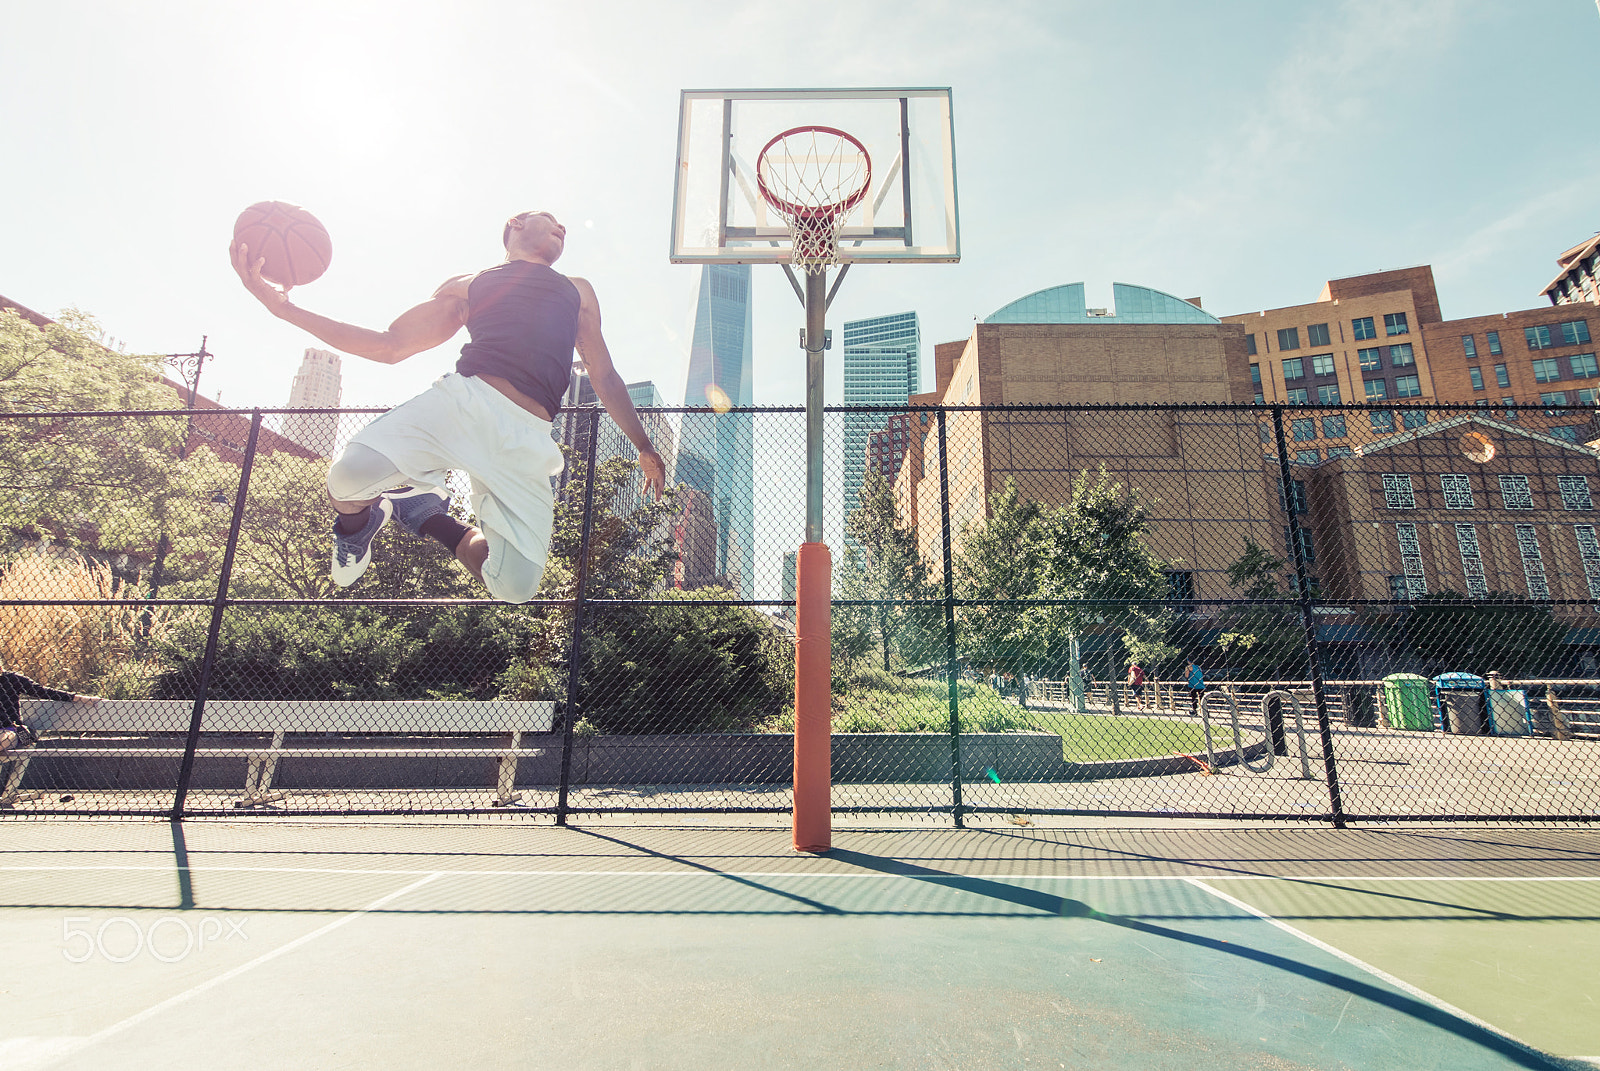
(1250, 345)
(1394, 323)
(1470, 347)
(1476, 375)
(1397, 493)
(1555, 397)
(1308, 457)
(1574, 332)
(1377, 390)
(1265, 432)
(1333, 428)
(1407, 387)
(1382, 419)
(1288, 338)
(1322, 364)
(1538, 337)
(1494, 343)
(1471, 560)
(1328, 395)
(1255, 383)
(1401, 355)
(1304, 430)
(1546, 370)
(1587, 396)
(1514, 493)
(1414, 418)
(1532, 561)
(1574, 492)
(1565, 433)
(1371, 359)
(1583, 366)
(1415, 581)
(1362, 328)
(1457, 491)
(1302, 536)
(1512, 412)
(1398, 591)
(1339, 451)
(1180, 587)
(1294, 368)
(1501, 378)
(1589, 554)
(1297, 396)
(1296, 499)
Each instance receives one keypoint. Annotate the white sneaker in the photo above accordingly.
(352, 553)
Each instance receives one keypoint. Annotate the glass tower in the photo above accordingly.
(881, 359)
(715, 450)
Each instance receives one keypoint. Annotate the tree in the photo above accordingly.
(881, 564)
(1100, 562)
(93, 482)
(1003, 558)
(1268, 639)
(1516, 638)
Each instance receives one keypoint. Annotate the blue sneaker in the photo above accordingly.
(352, 553)
(414, 505)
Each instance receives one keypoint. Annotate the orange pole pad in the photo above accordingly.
(813, 700)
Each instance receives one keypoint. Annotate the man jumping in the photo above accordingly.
(490, 418)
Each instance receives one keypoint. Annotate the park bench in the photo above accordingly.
(89, 730)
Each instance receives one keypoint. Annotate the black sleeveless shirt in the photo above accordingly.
(523, 319)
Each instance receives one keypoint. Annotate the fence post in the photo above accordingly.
(224, 578)
(957, 809)
(575, 648)
(1308, 621)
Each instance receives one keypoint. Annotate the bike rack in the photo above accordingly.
(1238, 741)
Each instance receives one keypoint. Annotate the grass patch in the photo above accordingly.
(915, 707)
(1108, 737)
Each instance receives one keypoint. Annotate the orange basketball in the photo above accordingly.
(295, 243)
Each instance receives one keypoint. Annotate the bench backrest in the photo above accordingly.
(292, 715)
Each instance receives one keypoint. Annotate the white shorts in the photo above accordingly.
(463, 423)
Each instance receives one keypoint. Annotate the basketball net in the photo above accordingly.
(812, 176)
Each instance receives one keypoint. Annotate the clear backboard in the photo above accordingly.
(909, 211)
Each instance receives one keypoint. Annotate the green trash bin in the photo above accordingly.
(1407, 702)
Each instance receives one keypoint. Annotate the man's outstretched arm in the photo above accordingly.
(612, 392)
(423, 327)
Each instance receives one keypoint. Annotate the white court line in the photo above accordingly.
(156, 1009)
(1400, 984)
(696, 872)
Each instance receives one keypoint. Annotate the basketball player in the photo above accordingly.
(490, 418)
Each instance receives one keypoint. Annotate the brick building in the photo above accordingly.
(1579, 278)
(1201, 471)
(1381, 339)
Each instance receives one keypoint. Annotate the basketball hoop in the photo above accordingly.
(813, 176)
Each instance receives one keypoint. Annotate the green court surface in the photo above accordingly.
(506, 944)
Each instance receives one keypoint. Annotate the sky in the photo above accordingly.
(1240, 151)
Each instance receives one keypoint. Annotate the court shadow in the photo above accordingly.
(1065, 907)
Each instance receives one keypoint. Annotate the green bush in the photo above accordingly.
(691, 666)
(924, 708)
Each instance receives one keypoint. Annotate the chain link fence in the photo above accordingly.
(1337, 614)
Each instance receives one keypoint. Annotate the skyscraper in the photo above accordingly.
(570, 432)
(316, 385)
(715, 450)
(881, 358)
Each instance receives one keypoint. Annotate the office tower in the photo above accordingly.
(316, 385)
(880, 368)
(715, 450)
(571, 431)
